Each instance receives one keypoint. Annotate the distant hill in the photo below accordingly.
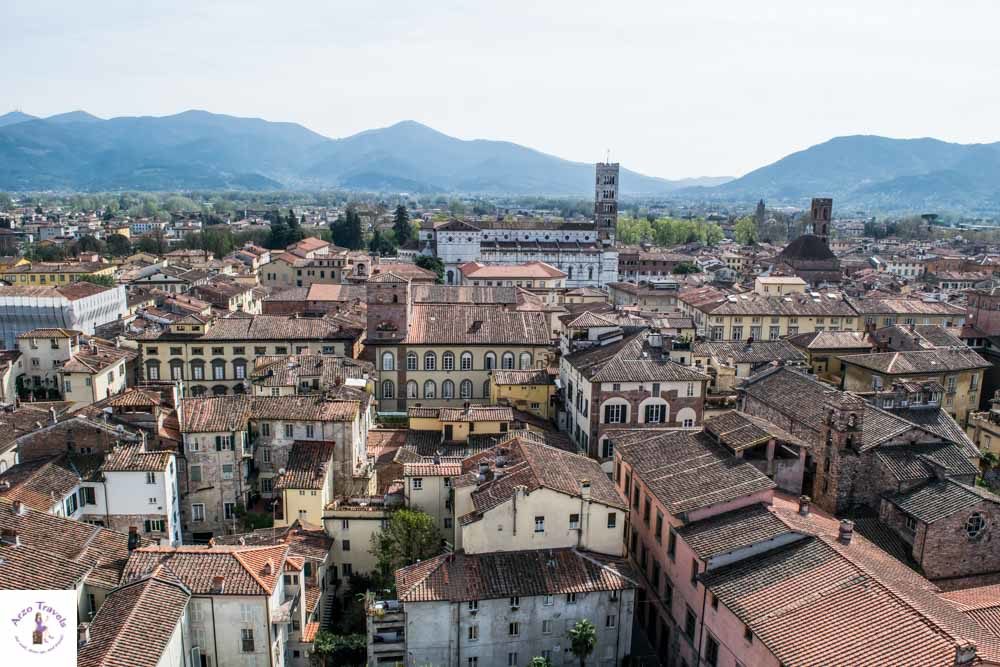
(877, 174)
(14, 117)
(197, 149)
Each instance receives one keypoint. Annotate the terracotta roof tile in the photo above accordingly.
(245, 570)
(214, 414)
(308, 465)
(459, 576)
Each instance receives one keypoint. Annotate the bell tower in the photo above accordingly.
(606, 202)
(822, 210)
(388, 300)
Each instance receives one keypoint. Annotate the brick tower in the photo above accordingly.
(822, 210)
(606, 202)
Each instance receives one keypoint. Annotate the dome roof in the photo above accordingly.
(807, 246)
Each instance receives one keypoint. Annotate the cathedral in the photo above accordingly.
(584, 251)
(809, 256)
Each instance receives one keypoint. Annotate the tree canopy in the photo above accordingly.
(346, 230)
(432, 264)
(745, 231)
(410, 535)
(583, 639)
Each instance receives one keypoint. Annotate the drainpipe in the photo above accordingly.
(215, 633)
(701, 625)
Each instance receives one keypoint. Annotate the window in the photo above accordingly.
(539, 524)
(87, 496)
(514, 629)
(512, 659)
(67, 386)
(153, 525)
(430, 389)
(289, 430)
(411, 361)
(689, 623)
(246, 640)
(229, 511)
(150, 478)
(198, 512)
(658, 531)
(656, 414)
(473, 605)
(747, 634)
(672, 544)
(610, 621)
(346, 570)
(447, 389)
(515, 602)
(571, 598)
(548, 600)
(473, 662)
(491, 361)
(694, 572)
(388, 389)
(388, 361)
(417, 483)
(975, 525)
(546, 627)
(607, 449)
(466, 361)
(448, 361)
(574, 521)
(507, 360)
(345, 545)
(911, 524)
(218, 370)
(524, 361)
(411, 389)
(430, 361)
(227, 471)
(614, 414)
(473, 633)
(612, 519)
(465, 389)
(310, 430)
(711, 651)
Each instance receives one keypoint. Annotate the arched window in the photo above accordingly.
(687, 417)
(239, 389)
(430, 361)
(975, 525)
(388, 389)
(395, 298)
(570, 273)
(466, 361)
(451, 277)
(152, 369)
(590, 273)
(486, 389)
(447, 389)
(218, 369)
(411, 389)
(197, 369)
(240, 369)
(198, 391)
(448, 361)
(507, 361)
(491, 361)
(430, 389)
(654, 411)
(176, 369)
(525, 361)
(219, 390)
(411, 361)
(465, 389)
(388, 361)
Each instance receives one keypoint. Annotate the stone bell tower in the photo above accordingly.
(837, 459)
(822, 211)
(606, 202)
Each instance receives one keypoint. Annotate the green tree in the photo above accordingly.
(685, 268)
(713, 234)
(106, 281)
(346, 230)
(410, 535)
(401, 225)
(583, 639)
(539, 661)
(88, 243)
(331, 649)
(432, 264)
(119, 246)
(745, 231)
(381, 244)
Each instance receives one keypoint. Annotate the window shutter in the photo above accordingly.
(607, 414)
(145, 525)
(218, 443)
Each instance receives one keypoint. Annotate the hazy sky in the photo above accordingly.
(674, 88)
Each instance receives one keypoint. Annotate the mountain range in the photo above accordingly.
(202, 150)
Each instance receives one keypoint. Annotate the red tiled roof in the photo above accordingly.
(458, 577)
(245, 570)
(308, 464)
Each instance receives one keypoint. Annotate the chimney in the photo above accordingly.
(52, 414)
(133, 538)
(804, 505)
(846, 531)
(218, 583)
(484, 467)
(965, 653)
(585, 489)
(10, 537)
(83, 634)
(19, 508)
